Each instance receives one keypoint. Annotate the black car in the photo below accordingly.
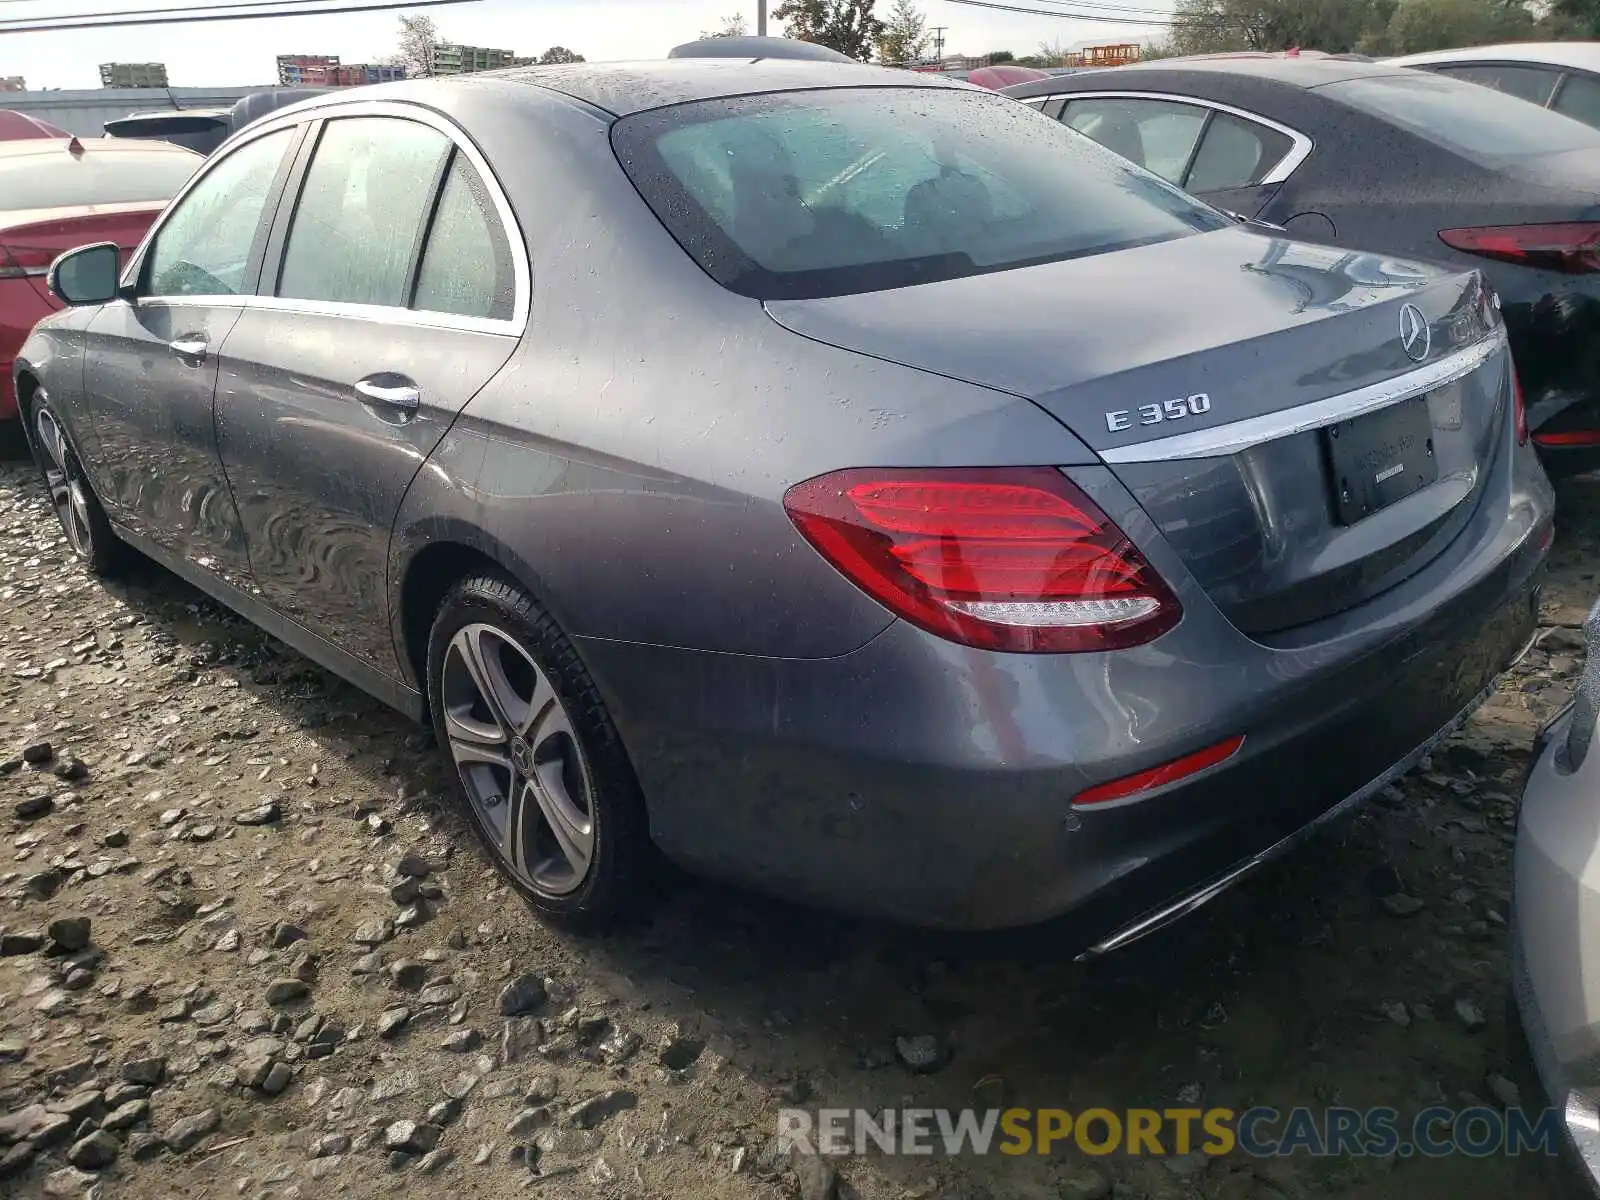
(204, 129)
(1393, 161)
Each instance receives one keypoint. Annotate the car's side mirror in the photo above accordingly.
(87, 275)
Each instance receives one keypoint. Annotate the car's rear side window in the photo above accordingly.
(1474, 121)
(62, 180)
(829, 192)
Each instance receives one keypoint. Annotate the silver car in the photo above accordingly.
(846, 482)
(1556, 920)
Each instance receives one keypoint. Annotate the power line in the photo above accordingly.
(207, 7)
(202, 15)
(1071, 16)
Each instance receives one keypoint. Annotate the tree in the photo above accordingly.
(1212, 26)
(419, 38)
(1419, 25)
(560, 54)
(734, 26)
(847, 26)
(1573, 19)
(904, 37)
(1001, 56)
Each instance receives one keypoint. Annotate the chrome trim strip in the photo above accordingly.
(399, 317)
(335, 108)
(1252, 431)
(1286, 166)
(1160, 918)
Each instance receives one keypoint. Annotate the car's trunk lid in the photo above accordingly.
(1204, 371)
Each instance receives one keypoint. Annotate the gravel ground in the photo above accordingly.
(248, 949)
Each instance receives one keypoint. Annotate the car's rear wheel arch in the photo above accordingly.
(445, 558)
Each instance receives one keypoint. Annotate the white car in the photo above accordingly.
(1561, 76)
(1555, 941)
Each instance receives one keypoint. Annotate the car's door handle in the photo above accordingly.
(404, 396)
(189, 347)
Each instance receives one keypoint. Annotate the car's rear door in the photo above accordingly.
(150, 363)
(396, 288)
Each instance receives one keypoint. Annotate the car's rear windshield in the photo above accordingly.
(1477, 122)
(61, 180)
(831, 192)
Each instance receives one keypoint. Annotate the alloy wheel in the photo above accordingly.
(69, 494)
(519, 759)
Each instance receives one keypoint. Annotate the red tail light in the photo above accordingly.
(1573, 437)
(1521, 410)
(1013, 559)
(1573, 247)
(17, 261)
(1144, 781)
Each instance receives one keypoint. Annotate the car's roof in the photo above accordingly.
(629, 87)
(1585, 56)
(57, 147)
(1297, 71)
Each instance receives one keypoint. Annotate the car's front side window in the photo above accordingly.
(365, 201)
(204, 247)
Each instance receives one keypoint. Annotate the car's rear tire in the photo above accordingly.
(539, 766)
(71, 497)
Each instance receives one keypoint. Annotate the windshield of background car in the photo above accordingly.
(1479, 123)
(824, 193)
(61, 180)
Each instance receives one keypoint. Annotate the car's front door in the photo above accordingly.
(150, 367)
(398, 292)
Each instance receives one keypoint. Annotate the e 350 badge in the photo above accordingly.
(1156, 414)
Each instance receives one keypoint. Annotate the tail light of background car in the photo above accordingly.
(17, 261)
(1572, 247)
(1011, 559)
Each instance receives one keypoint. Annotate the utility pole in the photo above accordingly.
(761, 18)
(938, 42)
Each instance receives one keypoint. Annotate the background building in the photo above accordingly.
(325, 70)
(452, 59)
(133, 75)
(13, 83)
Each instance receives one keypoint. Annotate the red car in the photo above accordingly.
(58, 193)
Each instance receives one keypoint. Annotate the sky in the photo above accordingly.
(238, 53)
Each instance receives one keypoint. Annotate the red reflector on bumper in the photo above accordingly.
(1576, 437)
(1155, 777)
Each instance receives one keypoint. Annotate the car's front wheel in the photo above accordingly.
(73, 499)
(540, 767)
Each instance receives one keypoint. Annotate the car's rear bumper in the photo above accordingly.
(931, 784)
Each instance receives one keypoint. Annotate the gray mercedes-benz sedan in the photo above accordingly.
(843, 481)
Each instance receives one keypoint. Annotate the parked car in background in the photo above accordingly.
(1394, 161)
(1561, 76)
(204, 129)
(57, 193)
(915, 510)
(17, 126)
(199, 129)
(1555, 924)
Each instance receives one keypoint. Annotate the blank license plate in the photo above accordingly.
(1380, 458)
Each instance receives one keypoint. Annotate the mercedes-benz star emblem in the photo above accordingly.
(1415, 336)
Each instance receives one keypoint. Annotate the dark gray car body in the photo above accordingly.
(622, 447)
(1352, 177)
